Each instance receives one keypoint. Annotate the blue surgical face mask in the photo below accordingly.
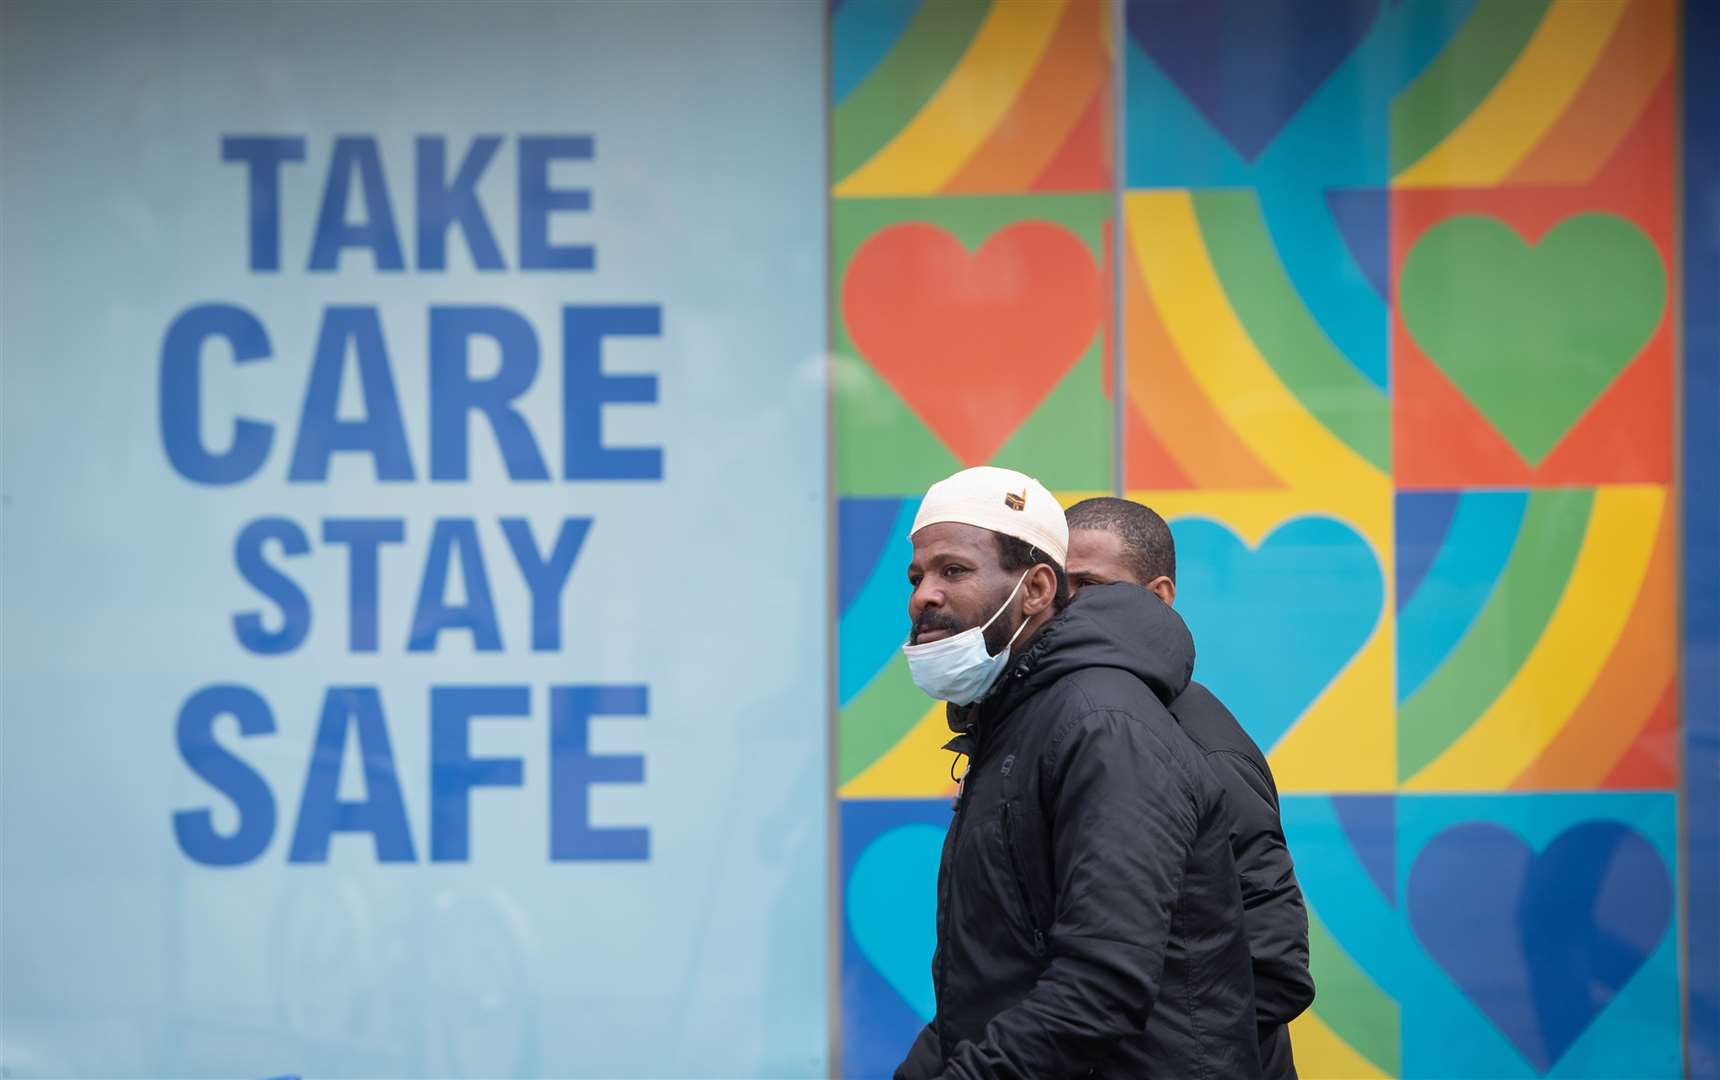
(959, 669)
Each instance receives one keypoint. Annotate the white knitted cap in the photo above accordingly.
(1001, 500)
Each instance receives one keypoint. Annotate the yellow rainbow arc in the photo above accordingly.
(914, 768)
(967, 108)
(1166, 239)
(1572, 650)
(1534, 93)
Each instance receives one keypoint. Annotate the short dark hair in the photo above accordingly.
(1014, 553)
(1147, 541)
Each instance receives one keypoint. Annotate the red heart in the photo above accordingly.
(973, 343)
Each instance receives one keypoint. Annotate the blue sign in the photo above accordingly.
(415, 635)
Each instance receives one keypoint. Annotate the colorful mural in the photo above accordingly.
(1398, 353)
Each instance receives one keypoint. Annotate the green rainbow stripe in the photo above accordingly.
(877, 719)
(870, 415)
(1321, 378)
(1503, 634)
(1451, 88)
(971, 219)
(1350, 1003)
(904, 81)
(1066, 443)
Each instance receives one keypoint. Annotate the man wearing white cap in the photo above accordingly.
(1089, 918)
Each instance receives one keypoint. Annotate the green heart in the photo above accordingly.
(1533, 335)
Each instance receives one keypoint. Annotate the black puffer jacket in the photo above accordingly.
(1276, 917)
(1089, 917)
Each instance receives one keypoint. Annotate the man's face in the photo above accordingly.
(958, 584)
(1096, 558)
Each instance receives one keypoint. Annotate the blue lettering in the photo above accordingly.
(381, 433)
(443, 205)
(363, 537)
(382, 812)
(263, 156)
(356, 155)
(454, 772)
(272, 583)
(181, 395)
(586, 389)
(538, 199)
(224, 771)
(454, 392)
(546, 577)
(433, 614)
(574, 768)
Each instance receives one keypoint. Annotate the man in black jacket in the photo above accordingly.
(1089, 916)
(1114, 540)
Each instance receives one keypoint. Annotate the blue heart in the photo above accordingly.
(1272, 627)
(1540, 943)
(1249, 65)
(892, 910)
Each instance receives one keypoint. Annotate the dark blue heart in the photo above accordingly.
(1540, 943)
(1249, 65)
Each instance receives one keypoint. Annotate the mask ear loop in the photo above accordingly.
(1007, 601)
(1017, 633)
(1005, 607)
(1000, 611)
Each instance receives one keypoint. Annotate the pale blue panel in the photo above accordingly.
(122, 955)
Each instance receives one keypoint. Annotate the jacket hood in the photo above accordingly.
(1117, 626)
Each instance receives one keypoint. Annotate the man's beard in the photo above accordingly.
(997, 635)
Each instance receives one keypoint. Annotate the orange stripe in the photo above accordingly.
(1623, 698)
(1612, 99)
(1172, 404)
(1147, 463)
(1027, 137)
(1651, 763)
(1083, 163)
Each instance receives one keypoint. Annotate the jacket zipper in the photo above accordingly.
(941, 976)
(1021, 882)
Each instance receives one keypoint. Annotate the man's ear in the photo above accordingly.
(1040, 590)
(1164, 588)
